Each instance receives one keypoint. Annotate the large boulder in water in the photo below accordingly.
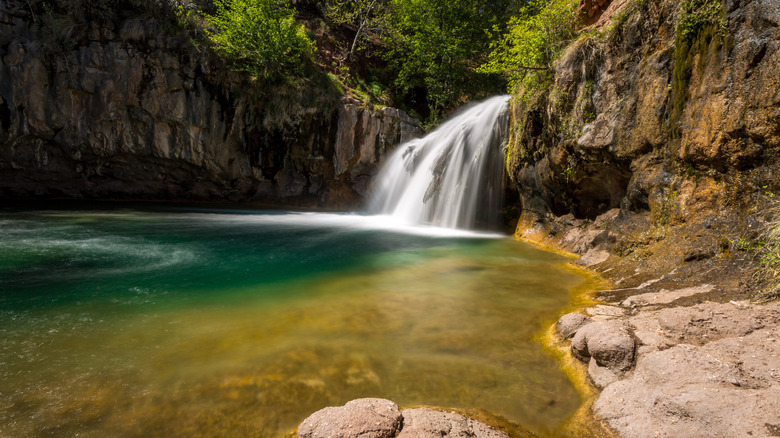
(364, 418)
(379, 418)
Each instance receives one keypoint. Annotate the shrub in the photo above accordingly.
(368, 17)
(259, 37)
(768, 273)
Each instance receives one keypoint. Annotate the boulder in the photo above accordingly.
(610, 343)
(364, 418)
(569, 323)
(379, 418)
(428, 423)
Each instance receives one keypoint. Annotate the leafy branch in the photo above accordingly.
(366, 16)
(534, 40)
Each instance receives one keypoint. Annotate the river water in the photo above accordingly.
(170, 321)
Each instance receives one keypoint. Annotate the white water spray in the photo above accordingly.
(453, 176)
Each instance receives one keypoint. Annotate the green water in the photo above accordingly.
(176, 322)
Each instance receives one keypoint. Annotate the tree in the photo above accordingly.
(366, 16)
(259, 37)
(534, 40)
(436, 45)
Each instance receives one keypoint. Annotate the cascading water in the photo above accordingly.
(453, 177)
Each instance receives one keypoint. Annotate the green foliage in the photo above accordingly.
(570, 171)
(435, 47)
(768, 273)
(367, 17)
(701, 14)
(535, 39)
(767, 276)
(744, 245)
(260, 37)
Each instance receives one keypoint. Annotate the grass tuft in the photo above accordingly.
(767, 275)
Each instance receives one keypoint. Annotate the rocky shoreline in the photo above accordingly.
(711, 369)
(676, 347)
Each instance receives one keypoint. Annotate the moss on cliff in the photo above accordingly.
(701, 29)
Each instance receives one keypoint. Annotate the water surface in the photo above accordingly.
(186, 322)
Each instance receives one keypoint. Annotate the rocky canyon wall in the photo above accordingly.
(652, 147)
(128, 109)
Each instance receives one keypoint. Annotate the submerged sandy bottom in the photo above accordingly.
(448, 323)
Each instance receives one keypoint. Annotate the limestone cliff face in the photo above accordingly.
(669, 139)
(128, 110)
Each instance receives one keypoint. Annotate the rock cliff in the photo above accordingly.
(128, 108)
(654, 149)
(654, 154)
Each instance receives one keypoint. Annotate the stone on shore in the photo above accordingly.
(569, 323)
(610, 343)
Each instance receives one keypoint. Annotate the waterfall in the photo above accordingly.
(453, 177)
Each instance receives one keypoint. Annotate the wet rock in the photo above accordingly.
(428, 423)
(569, 323)
(610, 343)
(364, 418)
